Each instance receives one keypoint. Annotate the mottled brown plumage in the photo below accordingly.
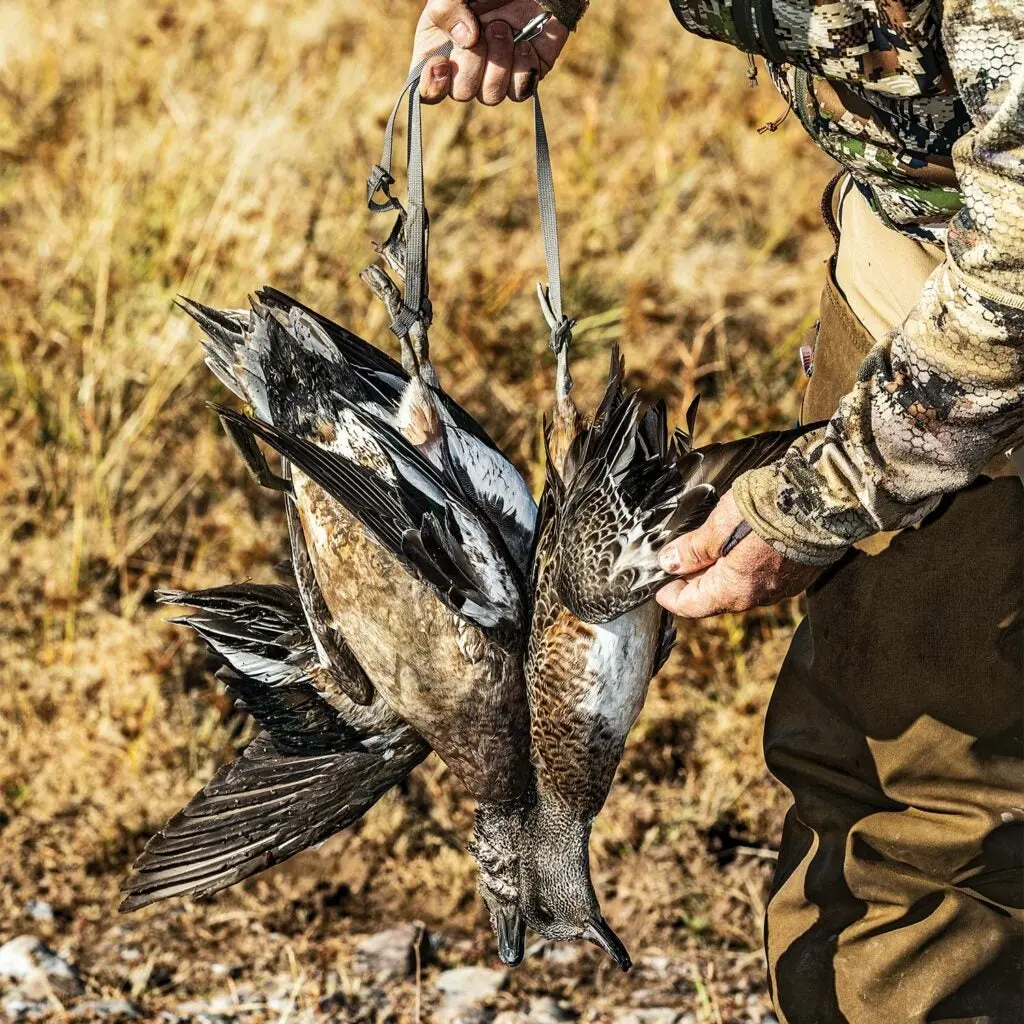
(586, 685)
(459, 688)
(418, 533)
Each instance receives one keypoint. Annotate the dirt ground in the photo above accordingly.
(206, 147)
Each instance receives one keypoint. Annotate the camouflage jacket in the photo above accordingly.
(924, 104)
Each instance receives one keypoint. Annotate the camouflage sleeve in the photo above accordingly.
(944, 393)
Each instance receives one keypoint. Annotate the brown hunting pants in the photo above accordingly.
(896, 723)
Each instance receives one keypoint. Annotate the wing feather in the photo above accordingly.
(263, 808)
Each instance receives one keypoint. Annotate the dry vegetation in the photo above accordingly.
(208, 146)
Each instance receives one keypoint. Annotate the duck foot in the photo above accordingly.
(255, 461)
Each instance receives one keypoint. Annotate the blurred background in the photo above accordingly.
(206, 147)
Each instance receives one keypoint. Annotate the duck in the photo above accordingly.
(416, 574)
(319, 763)
(406, 394)
(617, 489)
(419, 532)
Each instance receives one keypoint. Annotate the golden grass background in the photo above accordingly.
(205, 147)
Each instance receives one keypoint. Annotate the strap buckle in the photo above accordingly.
(380, 180)
(532, 28)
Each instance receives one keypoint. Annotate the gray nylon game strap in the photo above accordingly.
(417, 222)
(550, 297)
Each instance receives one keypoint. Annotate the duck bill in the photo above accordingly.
(598, 932)
(511, 931)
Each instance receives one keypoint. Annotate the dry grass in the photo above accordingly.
(208, 146)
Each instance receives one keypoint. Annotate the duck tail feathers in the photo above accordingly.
(235, 343)
(350, 346)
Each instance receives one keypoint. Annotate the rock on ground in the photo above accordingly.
(105, 1009)
(39, 972)
(471, 984)
(542, 1010)
(391, 955)
(464, 989)
(655, 1015)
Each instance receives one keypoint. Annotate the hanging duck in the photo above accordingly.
(617, 489)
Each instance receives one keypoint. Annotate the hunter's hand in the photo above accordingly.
(484, 65)
(751, 575)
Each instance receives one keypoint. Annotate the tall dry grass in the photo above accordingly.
(207, 146)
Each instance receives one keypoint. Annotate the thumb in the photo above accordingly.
(701, 548)
(455, 19)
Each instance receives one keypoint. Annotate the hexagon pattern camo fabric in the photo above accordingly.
(924, 105)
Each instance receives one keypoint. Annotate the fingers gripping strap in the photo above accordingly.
(381, 180)
(417, 221)
(551, 297)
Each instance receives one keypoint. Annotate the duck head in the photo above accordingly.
(496, 846)
(556, 894)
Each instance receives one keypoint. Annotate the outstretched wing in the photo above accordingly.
(271, 666)
(418, 516)
(263, 808)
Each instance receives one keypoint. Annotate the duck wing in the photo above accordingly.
(418, 515)
(272, 670)
(282, 349)
(363, 356)
(486, 475)
(624, 501)
(261, 809)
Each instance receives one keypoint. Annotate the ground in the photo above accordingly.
(205, 147)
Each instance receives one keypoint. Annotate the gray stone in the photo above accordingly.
(542, 1010)
(472, 984)
(656, 964)
(39, 910)
(563, 954)
(39, 972)
(461, 1013)
(545, 1010)
(18, 1007)
(106, 1009)
(217, 1009)
(391, 955)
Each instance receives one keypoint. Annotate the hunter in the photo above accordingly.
(896, 721)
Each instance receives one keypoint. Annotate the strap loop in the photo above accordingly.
(380, 180)
(416, 304)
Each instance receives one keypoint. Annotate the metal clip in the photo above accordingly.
(532, 28)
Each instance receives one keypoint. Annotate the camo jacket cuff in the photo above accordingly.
(757, 496)
(933, 404)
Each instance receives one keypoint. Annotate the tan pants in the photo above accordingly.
(897, 725)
